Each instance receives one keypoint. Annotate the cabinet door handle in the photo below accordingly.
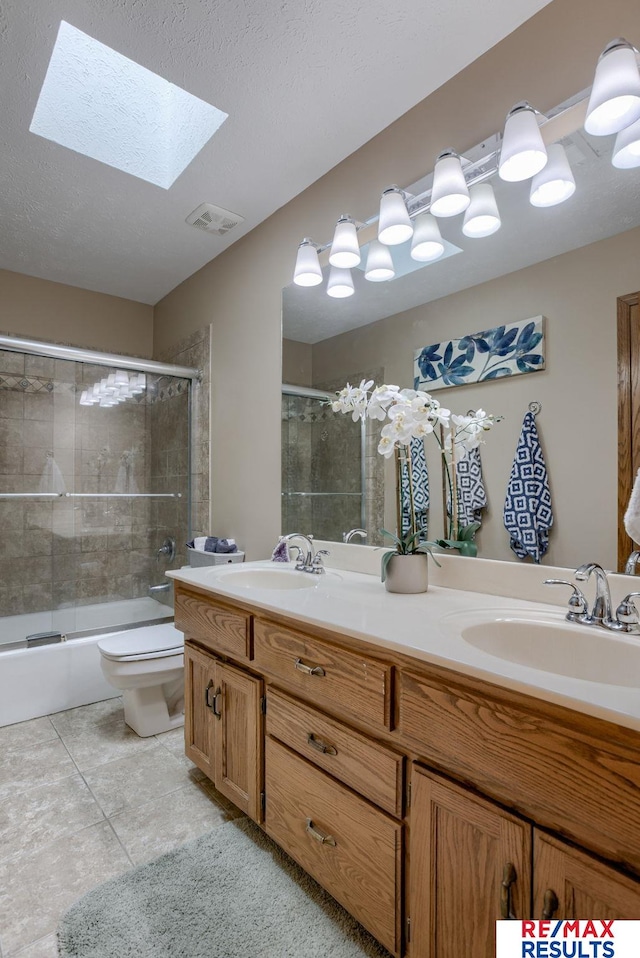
(320, 746)
(308, 669)
(206, 695)
(550, 903)
(214, 704)
(508, 879)
(319, 837)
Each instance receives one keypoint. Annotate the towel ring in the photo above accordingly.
(535, 407)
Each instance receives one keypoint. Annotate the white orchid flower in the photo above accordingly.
(386, 446)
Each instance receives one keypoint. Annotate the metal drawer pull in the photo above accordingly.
(308, 669)
(319, 837)
(550, 904)
(508, 879)
(214, 704)
(206, 695)
(320, 746)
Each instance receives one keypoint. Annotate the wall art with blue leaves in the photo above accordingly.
(481, 357)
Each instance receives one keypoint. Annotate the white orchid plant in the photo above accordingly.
(412, 414)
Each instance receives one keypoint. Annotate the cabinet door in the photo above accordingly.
(199, 691)
(470, 864)
(239, 738)
(571, 884)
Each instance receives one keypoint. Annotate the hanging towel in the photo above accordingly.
(420, 488)
(472, 498)
(528, 515)
(52, 479)
(632, 515)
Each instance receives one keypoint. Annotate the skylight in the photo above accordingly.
(97, 102)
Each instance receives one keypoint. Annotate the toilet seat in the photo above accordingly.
(145, 643)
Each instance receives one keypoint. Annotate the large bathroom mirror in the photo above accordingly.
(573, 264)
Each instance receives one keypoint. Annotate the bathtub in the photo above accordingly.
(51, 678)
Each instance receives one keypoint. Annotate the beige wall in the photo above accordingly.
(576, 293)
(40, 309)
(296, 363)
(546, 60)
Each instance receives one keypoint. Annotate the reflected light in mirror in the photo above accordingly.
(450, 194)
(615, 96)
(345, 251)
(394, 224)
(482, 217)
(523, 152)
(307, 271)
(626, 152)
(340, 284)
(379, 267)
(426, 245)
(555, 183)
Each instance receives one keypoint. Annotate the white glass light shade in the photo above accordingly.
(379, 263)
(523, 152)
(138, 383)
(626, 152)
(615, 95)
(340, 283)
(426, 244)
(450, 194)
(482, 217)
(555, 183)
(307, 271)
(96, 391)
(345, 251)
(122, 377)
(394, 224)
(84, 398)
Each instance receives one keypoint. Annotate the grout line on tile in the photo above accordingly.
(122, 846)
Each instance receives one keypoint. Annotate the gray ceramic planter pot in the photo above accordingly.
(407, 574)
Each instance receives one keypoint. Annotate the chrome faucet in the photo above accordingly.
(627, 618)
(632, 561)
(304, 562)
(601, 612)
(348, 536)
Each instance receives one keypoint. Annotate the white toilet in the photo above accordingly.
(147, 664)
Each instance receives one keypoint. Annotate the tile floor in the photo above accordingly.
(83, 798)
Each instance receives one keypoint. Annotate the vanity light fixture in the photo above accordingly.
(523, 153)
(450, 193)
(345, 250)
(379, 266)
(426, 245)
(394, 224)
(307, 271)
(555, 183)
(340, 283)
(626, 151)
(615, 95)
(482, 217)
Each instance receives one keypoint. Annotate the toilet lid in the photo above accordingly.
(155, 641)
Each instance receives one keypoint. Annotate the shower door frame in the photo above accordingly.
(306, 392)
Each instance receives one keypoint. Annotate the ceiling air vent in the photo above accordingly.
(213, 219)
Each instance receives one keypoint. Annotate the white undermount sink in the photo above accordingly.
(547, 642)
(270, 579)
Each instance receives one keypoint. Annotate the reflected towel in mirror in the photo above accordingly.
(528, 514)
(472, 496)
(420, 485)
(632, 515)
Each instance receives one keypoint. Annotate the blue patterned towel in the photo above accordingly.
(472, 498)
(420, 488)
(528, 515)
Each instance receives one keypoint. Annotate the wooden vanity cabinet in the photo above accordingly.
(223, 727)
(470, 865)
(518, 807)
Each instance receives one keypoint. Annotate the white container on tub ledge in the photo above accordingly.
(197, 558)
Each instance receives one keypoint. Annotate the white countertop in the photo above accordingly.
(423, 626)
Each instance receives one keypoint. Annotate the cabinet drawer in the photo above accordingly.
(359, 860)
(366, 766)
(213, 625)
(330, 675)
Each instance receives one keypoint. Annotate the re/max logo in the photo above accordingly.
(568, 938)
(567, 929)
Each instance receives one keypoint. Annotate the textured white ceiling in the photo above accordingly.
(305, 83)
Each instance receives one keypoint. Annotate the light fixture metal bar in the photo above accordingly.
(481, 163)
